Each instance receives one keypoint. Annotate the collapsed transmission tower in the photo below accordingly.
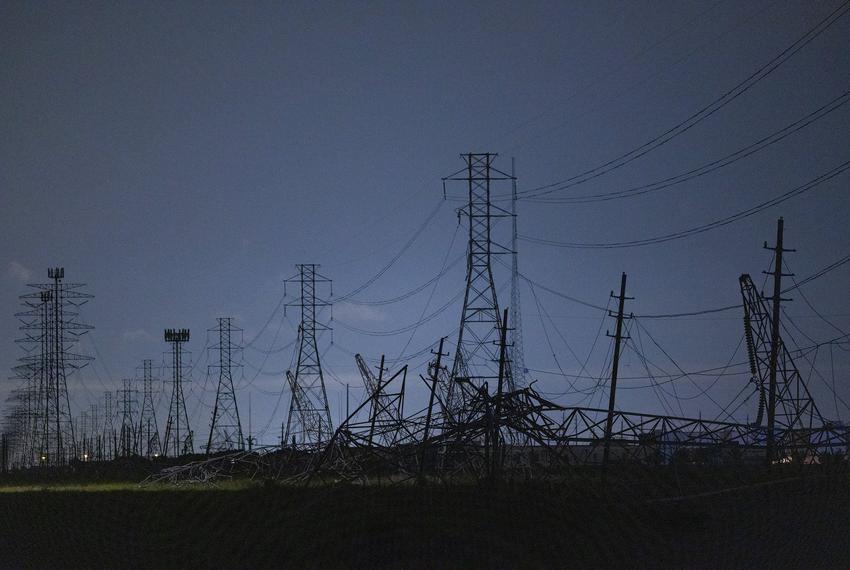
(149, 445)
(782, 392)
(127, 440)
(309, 419)
(477, 354)
(225, 427)
(51, 329)
(177, 442)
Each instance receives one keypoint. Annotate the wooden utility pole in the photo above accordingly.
(618, 337)
(435, 377)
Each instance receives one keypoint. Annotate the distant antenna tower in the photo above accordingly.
(309, 419)
(127, 397)
(477, 355)
(517, 354)
(225, 427)
(149, 445)
(175, 444)
(51, 329)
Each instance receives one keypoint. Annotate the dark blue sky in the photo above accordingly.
(180, 158)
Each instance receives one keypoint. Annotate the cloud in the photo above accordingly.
(19, 272)
(137, 335)
(359, 313)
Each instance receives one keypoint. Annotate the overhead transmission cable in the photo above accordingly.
(444, 268)
(412, 292)
(406, 328)
(682, 234)
(697, 117)
(395, 258)
(797, 285)
(709, 167)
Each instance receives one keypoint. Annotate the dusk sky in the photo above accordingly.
(181, 158)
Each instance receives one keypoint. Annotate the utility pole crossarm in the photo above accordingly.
(618, 338)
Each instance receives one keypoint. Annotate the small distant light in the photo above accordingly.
(43, 458)
(156, 454)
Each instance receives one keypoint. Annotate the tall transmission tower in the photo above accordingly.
(109, 439)
(95, 441)
(309, 419)
(83, 431)
(476, 354)
(225, 426)
(149, 444)
(127, 444)
(517, 353)
(177, 442)
(51, 329)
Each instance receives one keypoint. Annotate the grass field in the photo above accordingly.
(790, 522)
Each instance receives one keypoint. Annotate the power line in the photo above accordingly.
(811, 185)
(797, 285)
(406, 328)
(697, 117)
(395, 258)
(709, 167)
(412, 292)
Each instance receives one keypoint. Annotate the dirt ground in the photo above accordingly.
(789, 522)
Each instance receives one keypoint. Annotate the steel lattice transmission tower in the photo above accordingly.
(225, 426)
(309, 419)
(127, 443)
(109, 437)
(477, 355)
(177, 442)
(149, 444)
(51, 330)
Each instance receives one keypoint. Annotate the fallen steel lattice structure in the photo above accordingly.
(470, 430)
(528, 440)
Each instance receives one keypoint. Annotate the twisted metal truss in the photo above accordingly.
(795, 408)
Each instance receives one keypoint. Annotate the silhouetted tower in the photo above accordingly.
(476, 356)
(309, 419)
(83, 431)
(127, 399)
(225, 427)
(23, 421)
(95, 452)
(149, 445)
(178, 435)
(51, 330)
(517, 353)
(109, 437)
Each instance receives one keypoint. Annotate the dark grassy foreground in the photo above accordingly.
(791, 523)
